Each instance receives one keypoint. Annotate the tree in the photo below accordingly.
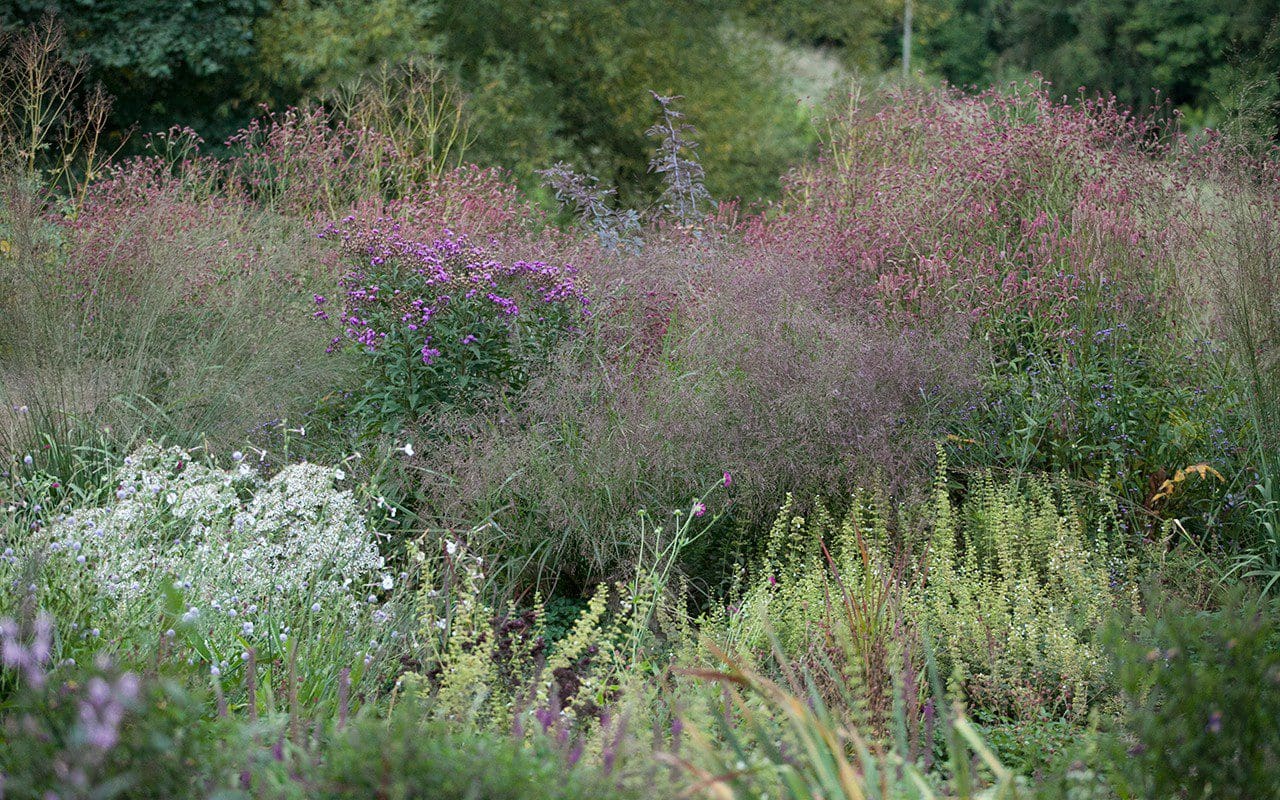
(181, 61)
(309, 46)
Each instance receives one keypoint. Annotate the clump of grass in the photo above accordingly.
(699, 363)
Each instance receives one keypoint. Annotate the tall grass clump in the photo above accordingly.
(159, 310)
(1065, 234)
(698, 361)
(1243, 248)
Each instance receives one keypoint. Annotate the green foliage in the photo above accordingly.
(95, 732)
(1191, 53)
(559, 614)
(180, 61)
(310, 46)
(406, 757)
(856, 30)
(584, 71)
(1012, 586)
(1124, 409)
(1202, 698)
(829, 594)
(1021, 578)
(1033, 746)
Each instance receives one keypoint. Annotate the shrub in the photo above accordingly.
(1067, 234)
(1032, 216)
(1122, 411)
(440, 325)
(305, 47)
(1202, 698)
(560, 80)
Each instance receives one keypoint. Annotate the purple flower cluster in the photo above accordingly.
(29, 659)
(102, 709)
(402, 285)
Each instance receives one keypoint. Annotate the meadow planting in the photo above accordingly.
(337, 466)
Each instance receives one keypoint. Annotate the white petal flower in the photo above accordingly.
(244, 546)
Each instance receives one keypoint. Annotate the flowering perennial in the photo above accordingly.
(442, 321)
(245, 552)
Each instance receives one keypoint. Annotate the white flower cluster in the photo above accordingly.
(247, 554)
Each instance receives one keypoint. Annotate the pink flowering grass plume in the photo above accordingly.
(707, 359)
(1006, 208)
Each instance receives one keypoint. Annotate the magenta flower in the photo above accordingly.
(699, 508)
(728, 480)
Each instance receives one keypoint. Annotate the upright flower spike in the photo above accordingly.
(685, 197)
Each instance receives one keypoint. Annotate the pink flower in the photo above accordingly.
(728, 480)
(699, 509)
